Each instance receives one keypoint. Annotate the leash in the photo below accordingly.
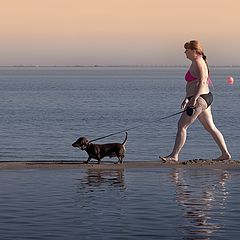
(188, 110)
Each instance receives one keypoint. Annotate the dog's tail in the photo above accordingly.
(125, 140)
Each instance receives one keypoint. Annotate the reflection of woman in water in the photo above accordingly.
(201, 203)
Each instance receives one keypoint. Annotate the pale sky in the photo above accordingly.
(110, 32)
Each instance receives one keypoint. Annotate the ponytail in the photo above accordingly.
(205, 59)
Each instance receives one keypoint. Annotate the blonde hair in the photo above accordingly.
(196, 45)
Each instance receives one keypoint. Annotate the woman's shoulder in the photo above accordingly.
(198, 63)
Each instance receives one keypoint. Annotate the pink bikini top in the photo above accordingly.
(189, 78)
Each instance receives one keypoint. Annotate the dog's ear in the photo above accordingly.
(83, 143)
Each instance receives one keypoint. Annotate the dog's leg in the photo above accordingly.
(120, 159)
(88, 160)
(117, 161)
(98, 156)
(99, 159)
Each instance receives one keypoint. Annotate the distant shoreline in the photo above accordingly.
(111, 66)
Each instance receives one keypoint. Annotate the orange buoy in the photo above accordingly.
(230, 80)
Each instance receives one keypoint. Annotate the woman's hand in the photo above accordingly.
(192, 102)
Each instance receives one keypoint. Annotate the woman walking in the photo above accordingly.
(198, 101)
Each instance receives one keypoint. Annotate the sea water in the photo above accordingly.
(44, 110)
(124, 204)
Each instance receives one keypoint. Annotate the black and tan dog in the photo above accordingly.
(99, 151)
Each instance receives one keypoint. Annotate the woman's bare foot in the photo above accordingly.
(168, 159)
(223, 157)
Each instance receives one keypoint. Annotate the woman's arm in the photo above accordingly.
(200, 69)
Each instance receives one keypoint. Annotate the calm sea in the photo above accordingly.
(43, 110)
(131, 204)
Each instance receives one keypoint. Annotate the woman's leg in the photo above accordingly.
(184, 122)
(207, 121)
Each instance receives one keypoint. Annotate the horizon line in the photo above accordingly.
(107, 65)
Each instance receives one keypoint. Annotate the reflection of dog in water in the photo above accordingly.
(99, 151)
(96, 178)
